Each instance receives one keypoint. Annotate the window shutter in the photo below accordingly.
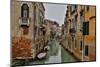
(86, 50)
(85, 28)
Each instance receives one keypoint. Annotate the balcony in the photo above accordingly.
(72, 30)
(42, 27)
(23, 21)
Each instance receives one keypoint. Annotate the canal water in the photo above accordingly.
(56, 54)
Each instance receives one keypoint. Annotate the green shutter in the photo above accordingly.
(85, 28)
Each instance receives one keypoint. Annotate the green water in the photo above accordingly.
(56, 54)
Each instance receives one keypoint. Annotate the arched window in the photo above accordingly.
(25, 11)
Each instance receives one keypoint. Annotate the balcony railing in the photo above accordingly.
(24, 21)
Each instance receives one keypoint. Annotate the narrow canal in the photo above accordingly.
(56, 54)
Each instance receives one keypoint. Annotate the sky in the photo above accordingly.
(55, 12)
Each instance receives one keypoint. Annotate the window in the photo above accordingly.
(44, 32)
(86, 28)
(87, 8)
(38, 31)
(81, 20)
(75, 23)
(76, 17)
(80, 45)
(35, 30)
(70, 8)
(75, 6)
(25, 11)
(81, 16)
(81, 13)
(61, 30)
(34, 13)
(75, 43)
(25, 30)
(40, 18)
(86, 50)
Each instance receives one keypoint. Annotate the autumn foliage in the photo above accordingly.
(21, 47)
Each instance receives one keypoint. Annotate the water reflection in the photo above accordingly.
(54, 53)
